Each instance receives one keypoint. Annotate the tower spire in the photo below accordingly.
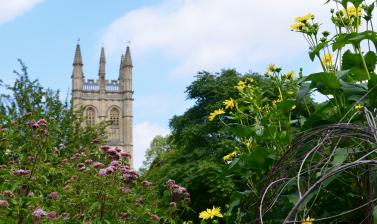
(77, 59)
(127, 58)
(77, 74)
(102, 65)
(102, 68)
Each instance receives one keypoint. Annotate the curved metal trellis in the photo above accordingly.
(309, 163)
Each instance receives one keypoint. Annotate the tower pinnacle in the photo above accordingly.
(102, 65)
(77, 60)
(127, 58)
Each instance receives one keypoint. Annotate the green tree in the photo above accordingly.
(158, 146)
(196, 145)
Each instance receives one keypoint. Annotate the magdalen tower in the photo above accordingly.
(106, 100)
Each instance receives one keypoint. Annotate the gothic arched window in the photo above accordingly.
(114, 117)
(114, 128)
(90, 116)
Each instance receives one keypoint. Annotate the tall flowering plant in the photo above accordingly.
(55, 170)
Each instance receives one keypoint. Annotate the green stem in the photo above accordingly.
(363, 61)
(323, 66)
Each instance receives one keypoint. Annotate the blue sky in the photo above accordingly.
(170, 41)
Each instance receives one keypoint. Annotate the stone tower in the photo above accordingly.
(106, 100)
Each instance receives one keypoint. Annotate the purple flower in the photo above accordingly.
(105, 148)
(126, 190)
(112, 151)
(54, 195)
(147, 183)
(114, 163)
(52, 215)
(81, 166)
(42, 122)
(21, 172)
(4, 203)
(88, 161)
(8, 194)
(170, 184)
(125, 154)
(102, 172)
(110, 169)
(39, 212)
(98, 165)
(33, 124)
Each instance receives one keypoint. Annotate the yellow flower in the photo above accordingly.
(216, 212)
(304, 19)
(352, 11)
(271, 68)
(248, 143)
(359, 107)
(210, 214)
(204, 215)
(274, 102)
(297, 26)
(230, 103)
(293, 107)
(308, 220)
(215, 113)
(249, 80)
(240, 86)
(290, 75)
(229, 156)
(327, 59)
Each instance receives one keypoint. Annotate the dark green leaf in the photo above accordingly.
(339, 157)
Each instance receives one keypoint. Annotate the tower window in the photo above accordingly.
(114, 131)
(114, 117)
(90, 116)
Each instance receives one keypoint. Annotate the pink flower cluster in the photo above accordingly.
(129, 175)
(4, 203)
(147, 183)
(21, 172)
(39, 213)
(36, 124)
(115, 153)
(54, 195)
(177, 190)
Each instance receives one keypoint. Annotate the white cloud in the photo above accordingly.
(213, 34)
(9, 9)
(143, 135)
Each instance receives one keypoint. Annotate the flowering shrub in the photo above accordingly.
(55, 170)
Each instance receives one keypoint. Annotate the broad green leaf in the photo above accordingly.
(240, 130)
(339, 157)
(325, 82)
(292, 198)
(354, 39)
(352, 90)
(286, 105)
